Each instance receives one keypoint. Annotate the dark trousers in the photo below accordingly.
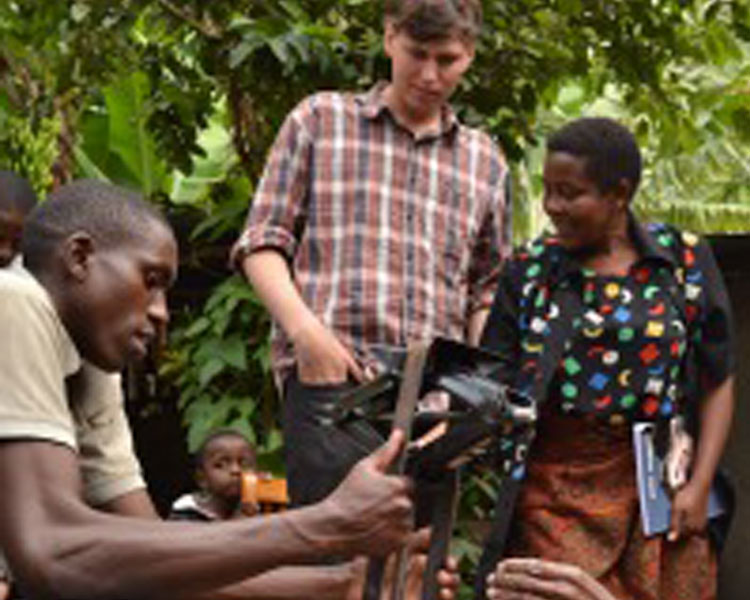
(318, 455)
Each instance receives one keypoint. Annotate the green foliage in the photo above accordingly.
(30, 148)
(52, 58)
(222, 373)
(128, 138)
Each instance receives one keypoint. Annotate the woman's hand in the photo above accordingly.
(536, 579)
(689, 511)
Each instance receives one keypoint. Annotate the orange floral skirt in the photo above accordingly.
(579, 504)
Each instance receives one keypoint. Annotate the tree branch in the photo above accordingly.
(209, 30)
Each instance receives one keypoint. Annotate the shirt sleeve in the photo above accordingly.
(33, 399)
(708, 301)
(277, 213)
(109, 466)
(494, 240)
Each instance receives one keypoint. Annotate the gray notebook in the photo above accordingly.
(653, 498)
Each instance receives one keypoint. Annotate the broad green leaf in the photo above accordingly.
(198, 327)
(281, 52)
(233, 351)
(209, 370)
(249, 44)
(211, 168)
(126, 101)
(88, 166)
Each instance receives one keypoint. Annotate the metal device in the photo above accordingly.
(480, 412)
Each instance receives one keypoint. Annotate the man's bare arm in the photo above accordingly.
(285, 583)
(58, 546)
(321, 358)
(475, 326)
(136, 503)
(337, 582)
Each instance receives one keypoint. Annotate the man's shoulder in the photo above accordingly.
(28, 314)
(480, 139)
(329, 101)
(187, 508)
(18, 288)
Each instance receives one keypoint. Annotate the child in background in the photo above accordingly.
(17, 198)
(221, 460)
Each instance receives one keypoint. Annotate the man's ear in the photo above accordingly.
(471, 48)
(389, 33)
(77, 250)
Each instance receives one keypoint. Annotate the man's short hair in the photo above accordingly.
(16, 194)
(609, 149)
(109, 214)
(427, 20)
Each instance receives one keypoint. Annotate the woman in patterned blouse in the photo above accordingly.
(608, 322)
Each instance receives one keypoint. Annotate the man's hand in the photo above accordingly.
(321, 358)
(448, 578)
(371, 512)
(689, 511)
(4, 589)
(536, 579)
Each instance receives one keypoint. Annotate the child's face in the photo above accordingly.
(224, 461)
(11, 227)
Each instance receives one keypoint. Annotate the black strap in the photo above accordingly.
(441, 518)
(569, 303)
(406, 406)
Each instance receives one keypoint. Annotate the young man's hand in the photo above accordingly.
(536, 579)
(372, 512)
(321, 358)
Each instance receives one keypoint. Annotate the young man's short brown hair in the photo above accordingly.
(426, 20)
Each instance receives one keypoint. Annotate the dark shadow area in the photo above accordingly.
(733, 255)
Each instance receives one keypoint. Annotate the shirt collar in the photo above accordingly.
(373, 105)
(644, 239)
(189, 502)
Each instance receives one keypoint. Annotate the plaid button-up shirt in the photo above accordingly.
(390, 237)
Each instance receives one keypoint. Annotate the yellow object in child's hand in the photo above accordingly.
(262, 490)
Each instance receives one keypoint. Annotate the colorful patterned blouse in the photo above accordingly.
(630, 341)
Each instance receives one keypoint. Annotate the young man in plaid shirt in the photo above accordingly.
(380, 219)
